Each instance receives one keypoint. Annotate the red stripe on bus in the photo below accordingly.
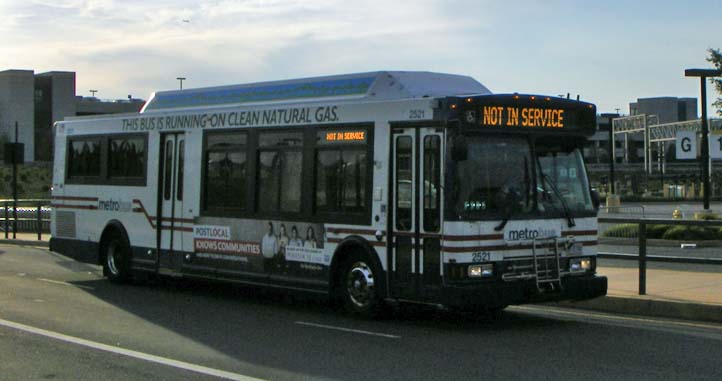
(455, 238)
(580, 232)
(142, 210)
(63, 206)
(351, 231)
(372, 243)
(181, 220)
(177, 229)
(73, 198)
(471, 249)
(480, 237)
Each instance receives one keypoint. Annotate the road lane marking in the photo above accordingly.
(65, 283)
(129, 353)
(362, 332)
(615, 317)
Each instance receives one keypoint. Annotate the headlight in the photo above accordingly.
(481, 271)
(580, 264)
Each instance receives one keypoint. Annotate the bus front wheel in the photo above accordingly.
(116, 258)
(359, 286)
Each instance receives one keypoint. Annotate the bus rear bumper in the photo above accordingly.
(500, 294)
(81, 251)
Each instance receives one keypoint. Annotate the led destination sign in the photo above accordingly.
(342, 136)
(522, 117)
(524, 113)
(345, 136)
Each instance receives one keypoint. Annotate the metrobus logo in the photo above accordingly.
(114, 205)
(527, 234)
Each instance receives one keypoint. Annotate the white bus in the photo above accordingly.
(373, 188)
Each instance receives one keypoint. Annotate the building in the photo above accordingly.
(17, 106)
(668, 109)
(36, 101)
(596, 150)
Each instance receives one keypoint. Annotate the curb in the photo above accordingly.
(22, 242)
(650, 307)
(658, 242)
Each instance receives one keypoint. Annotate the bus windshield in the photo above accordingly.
(517, 177)
(561, 179)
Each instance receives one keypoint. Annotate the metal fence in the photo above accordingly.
(25, 216)
(635, 231)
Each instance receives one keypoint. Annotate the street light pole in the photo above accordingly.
(611, 155)
(703, 74)
(181, 79)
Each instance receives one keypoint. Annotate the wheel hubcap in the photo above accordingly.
(111, 258)
(360, 284)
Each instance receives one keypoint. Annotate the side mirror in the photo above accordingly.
(595, 198)
(459, 148)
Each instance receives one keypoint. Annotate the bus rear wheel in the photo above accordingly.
(116, 258)
(359, 287)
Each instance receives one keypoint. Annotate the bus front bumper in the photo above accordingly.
(500, 294)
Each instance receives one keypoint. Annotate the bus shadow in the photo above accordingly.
(193, 294)
(253, 325)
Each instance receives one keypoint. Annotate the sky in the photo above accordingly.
(609, 52)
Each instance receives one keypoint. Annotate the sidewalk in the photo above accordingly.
(25, 239)
(666, 285)
(670, 293)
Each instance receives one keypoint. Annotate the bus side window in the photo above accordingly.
(432, 182)
(167, 184)
(279, 165)
(179, 178)
(404, 188)
(84, 158)
(224, 185)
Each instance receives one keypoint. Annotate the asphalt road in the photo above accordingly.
(60, 320)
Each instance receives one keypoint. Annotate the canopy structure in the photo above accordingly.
(381, 85)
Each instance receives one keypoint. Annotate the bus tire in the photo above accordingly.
(359, 286)
(115, 252)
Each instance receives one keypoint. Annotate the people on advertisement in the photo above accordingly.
(269, 247)
(282, 243)
(310, 238)
(282, 239)
(295, 239)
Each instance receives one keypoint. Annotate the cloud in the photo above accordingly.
(610, 52)
(115, 44)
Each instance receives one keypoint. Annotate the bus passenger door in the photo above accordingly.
(415, 223)
(170, 222)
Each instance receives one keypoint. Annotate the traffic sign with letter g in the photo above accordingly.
(686, 145)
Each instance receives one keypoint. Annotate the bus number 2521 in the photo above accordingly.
(481, 256)
(416, 114)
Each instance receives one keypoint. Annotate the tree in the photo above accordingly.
(715, 57)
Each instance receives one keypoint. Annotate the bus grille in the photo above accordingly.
(65, 224)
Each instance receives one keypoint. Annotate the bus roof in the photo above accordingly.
(379, 85)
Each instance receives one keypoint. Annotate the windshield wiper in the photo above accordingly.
(504, 220)
(511, 199)
(565, 206)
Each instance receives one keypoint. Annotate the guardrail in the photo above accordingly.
(642, 256)
(635, 210)
(25, 215)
